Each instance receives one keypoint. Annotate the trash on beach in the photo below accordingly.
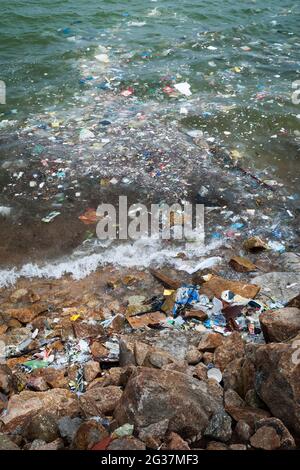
(34, 364)
(184, 88)
(50, 217)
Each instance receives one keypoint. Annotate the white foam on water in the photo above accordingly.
(142, 253)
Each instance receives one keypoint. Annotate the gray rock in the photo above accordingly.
(282, 286)
(219, 427)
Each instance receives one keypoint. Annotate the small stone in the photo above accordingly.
(38, 444)
(208, 358)
(6, 443)
(243, 431)
(232, 348)
(91, 370)
(6, 379)
(84, 330)
(68, 426)
(213, 445)
(127, 443)
(200, 371)
(219, 427)
(175, 442)
(193, 356)
(98, 351)
(37, 384)
(242, 265)
(100, 401)
(153, 434)
(238, 447)
(88, 434)
(210, 342)
(255, 244)
(265, 438)
(42, 426)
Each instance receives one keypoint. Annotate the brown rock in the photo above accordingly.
(26, 314)
(295, 302)
(242, 265)
(158, 359)
(127, 351)
(193, 356)
(200, 371)
(88, 434)
(43, 426)
(91, 370)
(38, 444)
(127, 443)
(237, 447)
(100, 401)
(153, 434)
(236, 407)
(3, 402)
(117, 323)
(196, 314)
(277, 380)
(6, 443)
(210, 342)
(286, 439)
(243, 431)
(140, 352)
(232, 348)
(214, 445)
(255, 244)
(6, 379)
(280, 325)
(152, 318)
(208, 358)
(216, 285)
(98, 351)
(265, 438)
(154, 395)
(37, 384)
(167, 281)
(84, 330)
(22, 407)
(175, 442)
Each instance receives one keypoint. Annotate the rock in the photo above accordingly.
(210, 342)
(117, 323)
(281, 286)
(255, 244)
(24, 295)
(127, 352)
(154, 395)
(24, 406)
(38, 444)
(3, 402)
(42, 426)
(85, 330)
(208, 358)
(286, 439)
(242, 265)
(127, 443)
(195, 314)
(290, 262)
(140, 352)
(236, 407)
(219, 427)
(91, 370)
(213, 445)
(167, 281)
(148, 319)
(153, 434)
(175, 442)
(243, 431)
(6, 443)
(88, 434)
(280, 325)
(158, 359)
(98, 351)
(295, 302)
(68, 426)
(200, 371)
(6, 380)
(100, 401)
(37, 384)
(237, 447)
(216, 285)
(277, 380)
(265, 438)
(54, 378)
(239, 375)
(253, 400)
(26, 314)
(233, 347)
(193, 356)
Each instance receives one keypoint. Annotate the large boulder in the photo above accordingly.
(154, 395)
(277, 380)
(21, 408)
(280, 325)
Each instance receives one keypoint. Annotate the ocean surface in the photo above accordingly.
(240, 58)
(71, 67)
